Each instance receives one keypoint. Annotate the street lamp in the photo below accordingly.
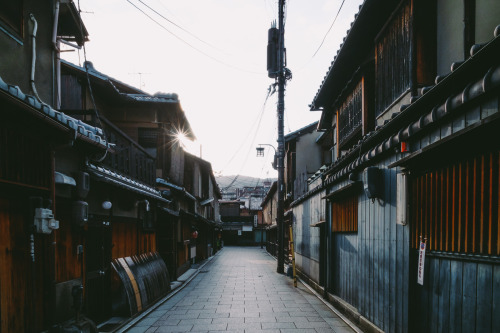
(260, 153)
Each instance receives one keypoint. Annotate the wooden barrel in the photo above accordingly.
(145, 280)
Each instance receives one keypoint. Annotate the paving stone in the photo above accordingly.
(163, 322)
(140, 329)
(231, 320)
(199, 321)
(241, 292)
(312, 324)
(149, 321)
(278, 325)
(210, 327)
(172, 329)
(337, 322)
(260, 320)
(245, 326)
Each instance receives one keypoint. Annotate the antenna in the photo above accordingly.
(141, 84)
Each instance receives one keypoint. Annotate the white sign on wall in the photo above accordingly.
(255, 221)
(421, 264)
(239, 232)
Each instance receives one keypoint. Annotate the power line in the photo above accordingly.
(178, 26)
(190, 45)
(335, 19)
(269, 93)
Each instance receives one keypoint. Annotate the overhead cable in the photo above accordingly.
(189, 44)
(331, 26)
(178, 26)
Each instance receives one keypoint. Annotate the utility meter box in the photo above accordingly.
(44, 221)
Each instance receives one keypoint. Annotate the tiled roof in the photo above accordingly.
(371, 16)
(403, 124)
(81, 129)
(120, 180)
(301, 131)
(163, 182)
(133, 93)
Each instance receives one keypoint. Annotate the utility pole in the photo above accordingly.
(276, 69)
(281, 139)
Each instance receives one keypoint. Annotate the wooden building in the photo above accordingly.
(33, 133)
(83, 215)
(410, 111)
(169, 202)
(269, 219)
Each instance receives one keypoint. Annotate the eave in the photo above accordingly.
(357, 45)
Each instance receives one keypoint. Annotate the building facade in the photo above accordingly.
(409, 108)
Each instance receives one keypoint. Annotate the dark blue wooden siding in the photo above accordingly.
(370, 267)
(458, 296)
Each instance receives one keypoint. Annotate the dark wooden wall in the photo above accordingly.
(22, 282)
(130, 239)
(68, 264)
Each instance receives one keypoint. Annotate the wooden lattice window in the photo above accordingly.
(345, 214)
(392, 59)
(350, 114)
(457, 207)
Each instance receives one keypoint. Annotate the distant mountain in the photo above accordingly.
(241, 181)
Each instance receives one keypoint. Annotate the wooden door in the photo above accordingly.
(98, 270)
(167, 243)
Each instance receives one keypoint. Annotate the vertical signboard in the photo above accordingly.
(421, 263)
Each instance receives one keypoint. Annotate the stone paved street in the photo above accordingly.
(240, 291)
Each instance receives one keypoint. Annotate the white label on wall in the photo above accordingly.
(255, 221)
(421, 263)
(239, 232)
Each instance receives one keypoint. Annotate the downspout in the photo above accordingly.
(57, 51)
(33, 57)
(328, 245)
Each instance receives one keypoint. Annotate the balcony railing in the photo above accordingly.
(128, 157)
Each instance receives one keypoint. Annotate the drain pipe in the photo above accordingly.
(33, 57)
(57, 51)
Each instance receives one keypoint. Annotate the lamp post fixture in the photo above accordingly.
(260, 153)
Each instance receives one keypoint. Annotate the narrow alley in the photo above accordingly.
(238, 290)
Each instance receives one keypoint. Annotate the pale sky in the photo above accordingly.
(216, 63)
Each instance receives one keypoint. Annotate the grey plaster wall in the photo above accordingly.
(15, 55)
